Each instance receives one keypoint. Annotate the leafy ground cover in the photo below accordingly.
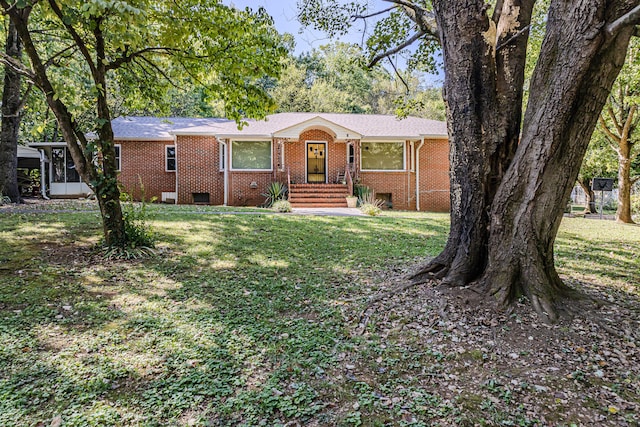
(288, 320)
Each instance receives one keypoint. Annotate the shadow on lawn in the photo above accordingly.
(240, 327)
(614, 260)
(239, 322)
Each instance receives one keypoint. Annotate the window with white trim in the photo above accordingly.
(382, 156)
(251, 155)
(118, 149)
(223, 156)
(170, 158)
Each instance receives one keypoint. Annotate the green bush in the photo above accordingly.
(361, 192)
(371, 210)
(369, 205)
(4, 200)
(281, 206)
(139, 239)
(275, 191)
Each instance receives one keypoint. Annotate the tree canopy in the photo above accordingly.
(88, 56)
(332, 79)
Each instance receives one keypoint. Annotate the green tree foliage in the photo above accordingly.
(334, 78)
(91, 57)
(619, 123)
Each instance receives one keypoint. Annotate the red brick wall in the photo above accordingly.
(434, 179)
(145, 160)
(399, 184)
(240, 187)
(434, 176)
(198, 165)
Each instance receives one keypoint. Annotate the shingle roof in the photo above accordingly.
(367, 125)
(157, 128)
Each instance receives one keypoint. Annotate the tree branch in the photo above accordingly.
(398, 74)
(626, 130)
(160, 71)
(126, 58)
(630, 18)
(396, 49)
(424, 19)
(25, 97)
(76, 38)
(371, 15)
(614, 119)
(53, 59)
(17, 66)
(611, 136)
(513, 37)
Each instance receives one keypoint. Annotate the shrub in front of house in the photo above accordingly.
(275, 191)
(281, 206)
(369, 205)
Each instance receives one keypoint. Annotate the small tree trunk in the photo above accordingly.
(100, 175)
(623, 213)
(590, 197)
(111, 210)
(11, 106)
(107, 186)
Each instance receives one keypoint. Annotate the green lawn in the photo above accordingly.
(238, 320)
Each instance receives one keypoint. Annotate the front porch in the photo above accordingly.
(318, 195)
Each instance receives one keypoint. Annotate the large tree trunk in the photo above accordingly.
(506, 209)
(484, 69)
(11, 106)
(528, 207)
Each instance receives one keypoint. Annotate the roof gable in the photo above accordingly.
(317, 122)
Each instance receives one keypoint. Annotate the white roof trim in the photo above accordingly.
(390, 138)
(339, 132)
(242, 136)
(427, 136)
(28, 152)
(143, 139)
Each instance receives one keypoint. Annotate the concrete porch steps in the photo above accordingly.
(318, 195)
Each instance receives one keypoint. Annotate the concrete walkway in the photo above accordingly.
(328, 211)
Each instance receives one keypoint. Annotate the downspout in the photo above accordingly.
(43, 184)
(418, 174)
(226, 173)
(409, 170)
(175, 145)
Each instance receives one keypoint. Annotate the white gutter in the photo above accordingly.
(418, 174)
(226, 172)
(43, 184)
(409, 170)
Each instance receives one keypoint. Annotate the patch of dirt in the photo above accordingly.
(511, 367)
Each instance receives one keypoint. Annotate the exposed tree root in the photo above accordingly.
(431, 271)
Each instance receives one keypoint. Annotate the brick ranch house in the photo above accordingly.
(320, 156)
